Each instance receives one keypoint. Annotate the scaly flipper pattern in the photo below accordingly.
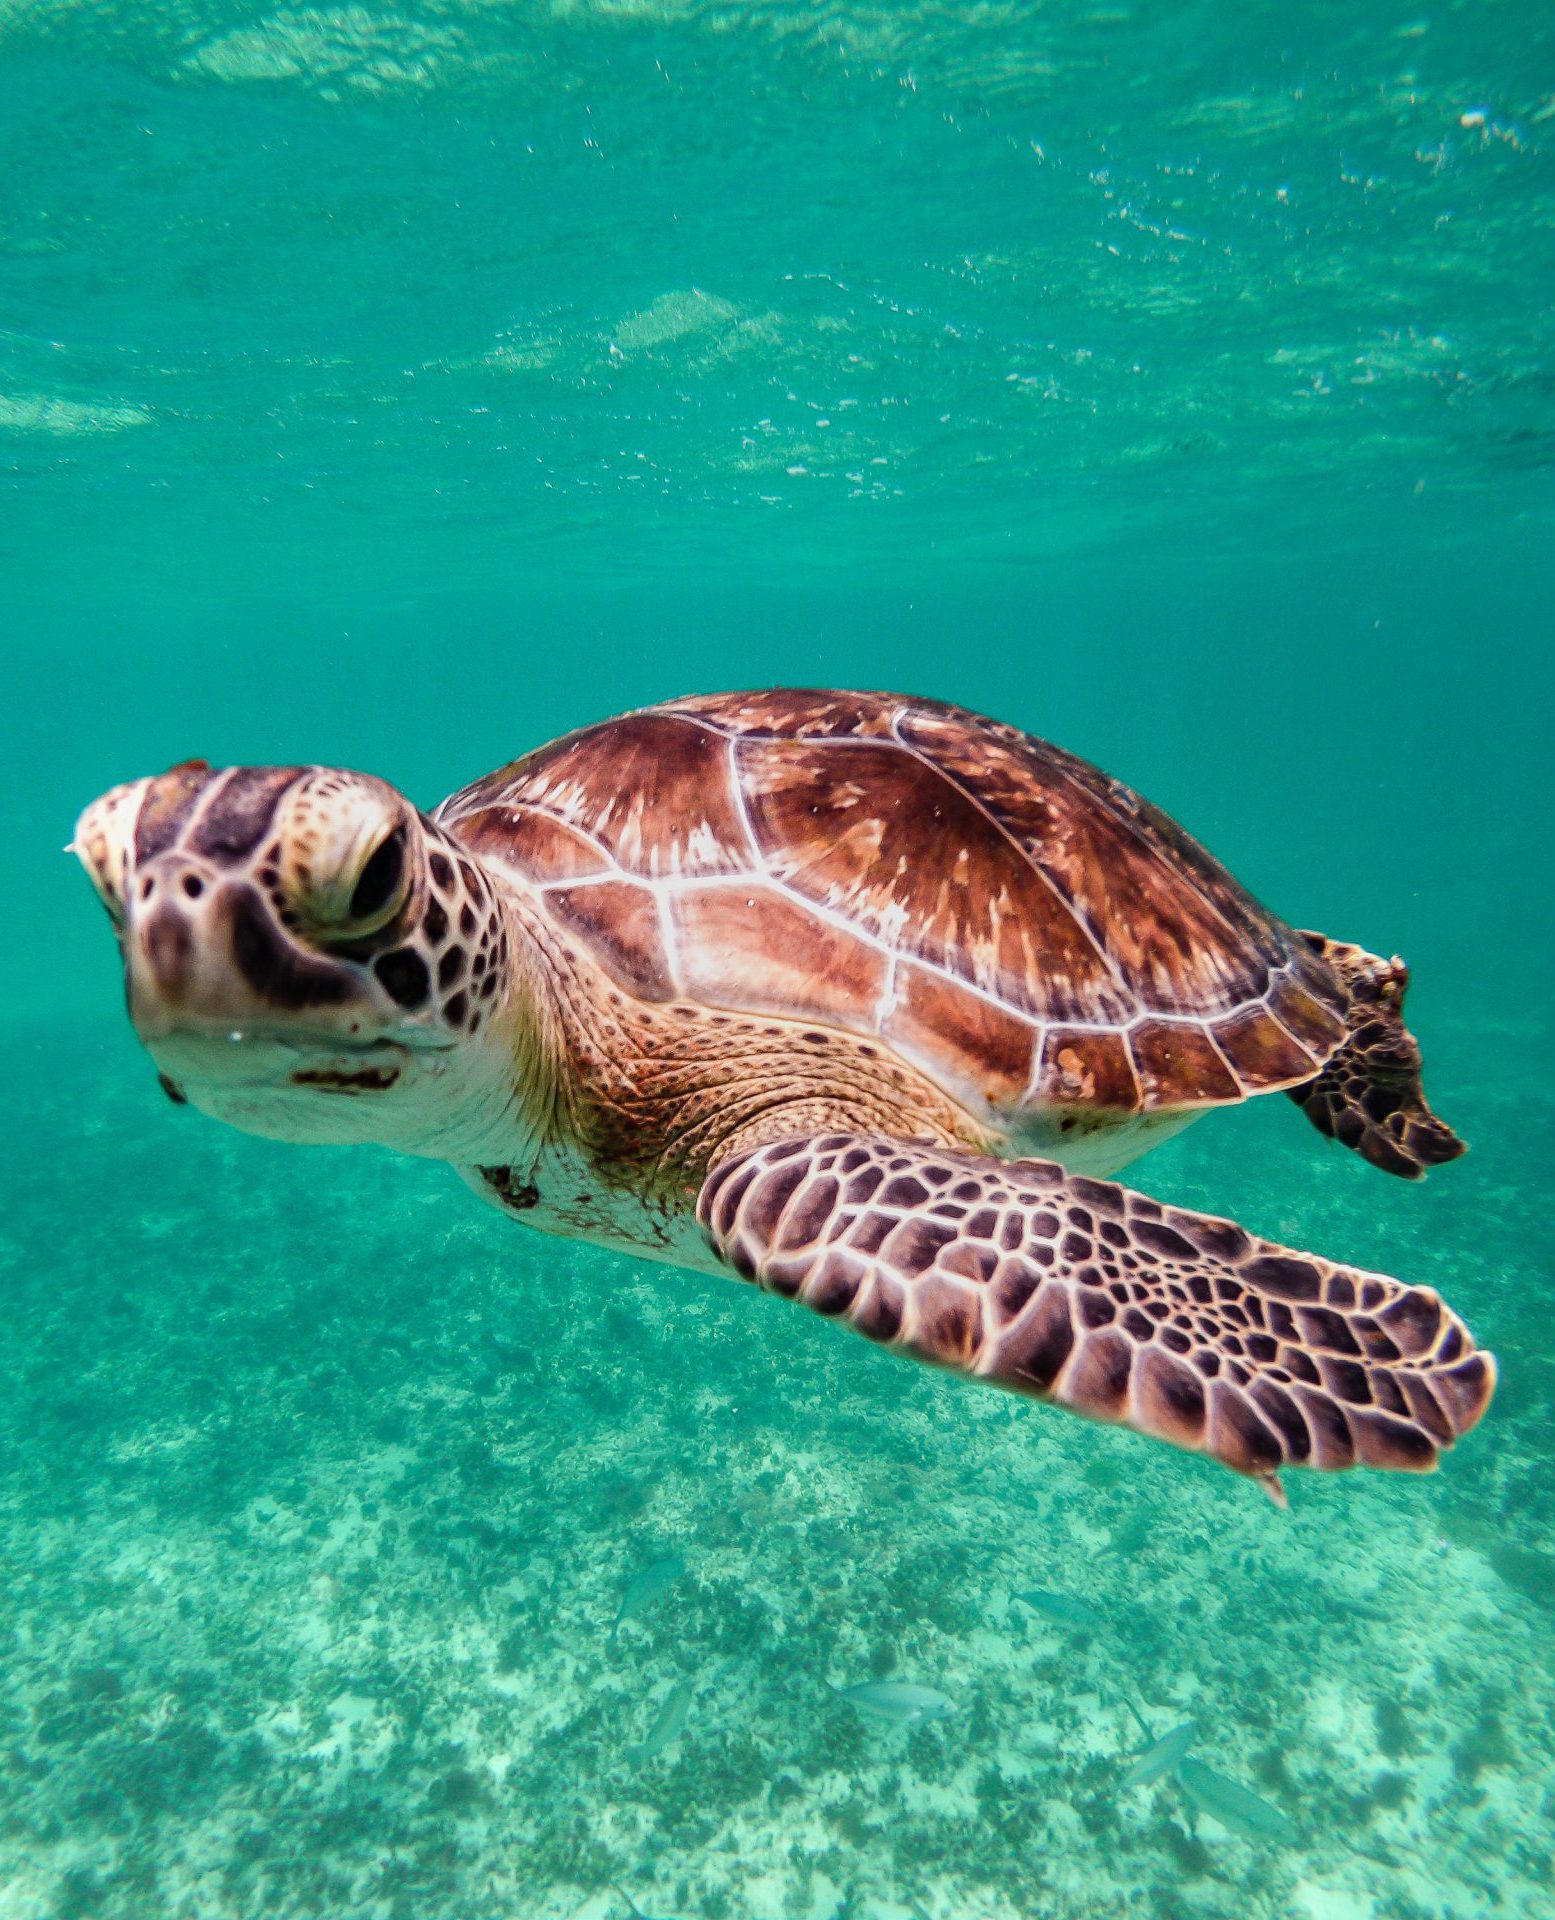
(1086, 1294)
(1369, 1095)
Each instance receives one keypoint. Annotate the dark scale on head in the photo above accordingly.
(403, 975)
(442, 870)
(166, 808)
(455, 1008)
(236, 818)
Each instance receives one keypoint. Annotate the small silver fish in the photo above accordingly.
(1064, 1608)
(1233, 1805)
(666, 1727)
(898, 1702)
(636, 1911)
(1167, 1753)
(645, 1587)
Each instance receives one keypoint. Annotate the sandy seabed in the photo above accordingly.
(322, 1486)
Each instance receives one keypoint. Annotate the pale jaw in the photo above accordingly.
(289, 1088)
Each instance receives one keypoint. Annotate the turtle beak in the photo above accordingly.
(163, 907)
(247, 1011)
(175, 974)
(205, 958)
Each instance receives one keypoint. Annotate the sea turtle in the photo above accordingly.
(851, 995)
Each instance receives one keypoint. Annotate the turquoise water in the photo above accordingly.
(399, 388)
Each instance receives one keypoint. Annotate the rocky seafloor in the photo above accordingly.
(322, 1486)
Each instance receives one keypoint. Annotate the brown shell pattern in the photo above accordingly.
(1022, 927)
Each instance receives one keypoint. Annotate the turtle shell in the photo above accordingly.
(1023, 928)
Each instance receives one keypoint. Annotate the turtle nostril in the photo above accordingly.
(147, 887)
(194, 886)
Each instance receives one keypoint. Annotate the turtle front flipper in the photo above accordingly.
(1369, 1095)
(1084, 1293)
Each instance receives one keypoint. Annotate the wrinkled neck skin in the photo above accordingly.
(481, 1102)
(502, 1099)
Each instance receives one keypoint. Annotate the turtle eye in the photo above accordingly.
(381, 884)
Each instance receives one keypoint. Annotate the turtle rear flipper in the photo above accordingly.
(1086, 1294)
(1369, 1095)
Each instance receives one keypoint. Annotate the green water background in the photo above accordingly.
(400, 388)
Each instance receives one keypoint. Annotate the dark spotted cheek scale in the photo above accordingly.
(403, 976)
(1098, 1299)
(462, 947)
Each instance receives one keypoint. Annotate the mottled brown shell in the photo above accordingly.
(1026, 930)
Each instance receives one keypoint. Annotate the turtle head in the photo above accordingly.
(305, 955)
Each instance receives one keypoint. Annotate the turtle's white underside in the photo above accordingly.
(574, 1203)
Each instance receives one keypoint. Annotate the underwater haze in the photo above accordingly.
(397, 387)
